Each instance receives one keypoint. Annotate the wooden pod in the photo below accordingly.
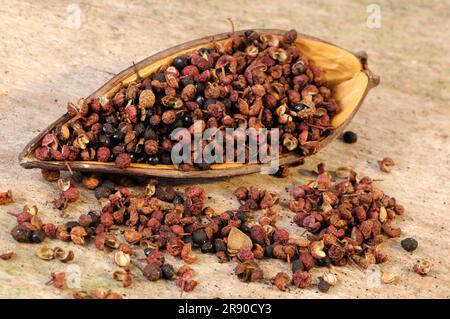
(346, 73)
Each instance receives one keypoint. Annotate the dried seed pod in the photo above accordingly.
(330, 278)
(45, 253)
(388, 278)
(238, 240)
(62, 255)
(281, 281)
(121, 259)
(386, 164)
(422, 267)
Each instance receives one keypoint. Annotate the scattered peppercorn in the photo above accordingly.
(323, 285)
(168, 271)
(409, 244)
(350, 137)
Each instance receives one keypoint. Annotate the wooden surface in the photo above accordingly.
(45, 62)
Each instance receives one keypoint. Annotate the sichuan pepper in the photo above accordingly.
(257, 81)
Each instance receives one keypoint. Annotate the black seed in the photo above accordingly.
(89, 231)
(187, 239)
(103, 140)
(323, 285)
(324, 262)
(207, 248)
(102, 192)
(139, 128)
(71, 224)
(409, 244)
(187, 80)
(243, 216)
(200, 100)
(199, 237)
(149, 113)
(297, 265)
(202, 51)
(109, 184)
(153, 159)
(178, 200)
(228, 105)
(208, 102)
(108, 129)
(179, 62)
(350, 137)
(150, 134)
(21, 234)
(199, 87)
(168, 271)
(118, 137)
(159, 77)
(219, 245)
(148, 251)
(299, 107)
(268, 251)
(37, 236)
(187, 120)
(95, 218)
(112, 120)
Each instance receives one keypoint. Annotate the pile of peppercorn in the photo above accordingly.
(248, 81)
(346, 222)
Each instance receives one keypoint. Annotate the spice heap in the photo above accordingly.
(249, 81)
(346, 223)
(347, 219)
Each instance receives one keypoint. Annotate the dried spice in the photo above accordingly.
(348, 218)
(281, 281)
(6, 255)
(58, 280)
(349, 137)
(6, 197)
(409, 244)
(261, 81)
(50, 175)
(422, 267)
(386, 164)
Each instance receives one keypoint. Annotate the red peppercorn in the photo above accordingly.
(123, 160)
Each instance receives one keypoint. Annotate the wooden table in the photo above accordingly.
(48, 59)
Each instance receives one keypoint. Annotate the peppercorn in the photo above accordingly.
(108, 129)
(179, 62)
(202, 51)
(153, 159)
(159, 77)
(299, 107)
(350, 137)
(187, 120)
(117, 137)
(199, 88)
(297, 265)
(139, 128)
(323, 285)
(200, 100)
(185, 81)
(168, 272)
(409, 244)
(148, 251)
(103, 140)
(207, 248)
(178, 200)
(199, 237)
(21, 234)
(123, 160)
(102, 192)
(187, 239)
(243, 216)
(324, 262)
(219, 245)
(268, 251)
(71, 224)
(152, 272)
